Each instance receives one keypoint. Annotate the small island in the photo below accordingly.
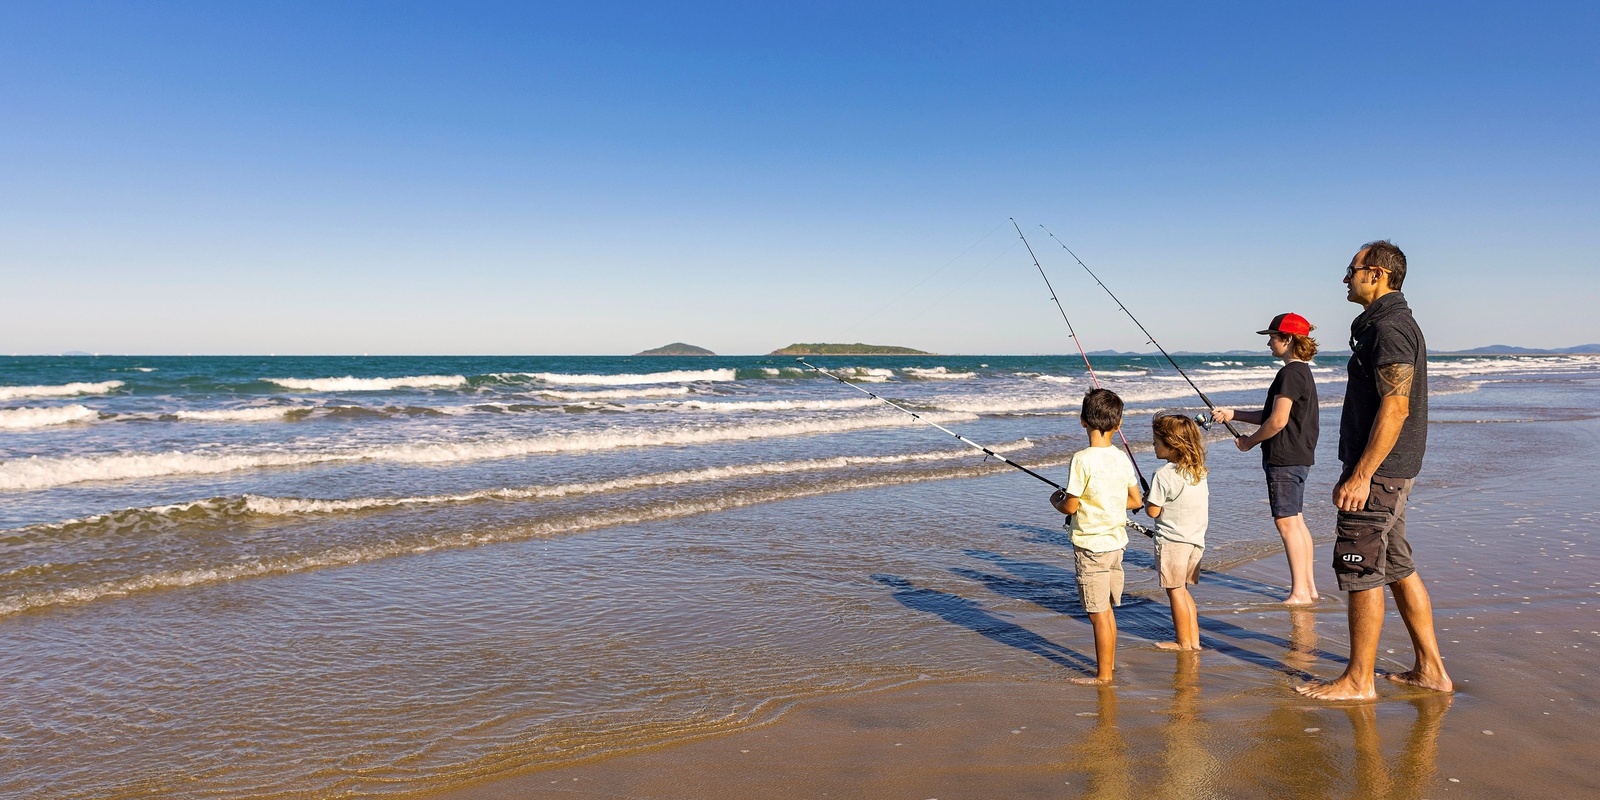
(857, 349)
(677, 349)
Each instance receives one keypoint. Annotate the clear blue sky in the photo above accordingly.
(601, 178)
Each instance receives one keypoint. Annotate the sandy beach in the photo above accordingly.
(1504, 525)
(861, 612)
(655, 401)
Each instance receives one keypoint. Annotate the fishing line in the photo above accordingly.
(959, 286)
(919, 418)
(1152, 339)
(1143, 484)
(986, 451)
(907, 293)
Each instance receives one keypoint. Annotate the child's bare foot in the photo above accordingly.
(1300, 600)
(1176, 646)
(1095, 681)
(1342, 688)
(1423, 679)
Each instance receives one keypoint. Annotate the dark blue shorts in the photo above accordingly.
(1286, 490)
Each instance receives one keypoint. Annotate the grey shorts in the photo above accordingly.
(1099, 578)
(1286, 490)
(1372, 551)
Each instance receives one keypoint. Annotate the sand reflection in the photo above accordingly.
(1295, 752)
(1411, 771)
(1188, 767)
(1102, 758)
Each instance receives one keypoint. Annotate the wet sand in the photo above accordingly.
(1505, 523)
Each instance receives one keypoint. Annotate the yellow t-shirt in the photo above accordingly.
(1100, 477)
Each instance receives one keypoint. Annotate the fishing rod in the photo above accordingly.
(1143, 484)
(919, 418)
(1152, 339)
(986, 451)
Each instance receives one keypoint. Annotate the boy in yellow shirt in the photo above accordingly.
(1101, 487)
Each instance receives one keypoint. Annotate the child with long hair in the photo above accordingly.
(1180, 503)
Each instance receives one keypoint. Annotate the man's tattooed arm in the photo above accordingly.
(1394, 380)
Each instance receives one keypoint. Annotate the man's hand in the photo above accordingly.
(1222, 415)
(1351, 493)
(1244, 444)
(1394, 405)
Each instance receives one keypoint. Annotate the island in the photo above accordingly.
(677, 349)
(857, 349)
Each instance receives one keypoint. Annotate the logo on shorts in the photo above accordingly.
(1352, 557)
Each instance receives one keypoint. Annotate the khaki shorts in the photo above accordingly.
(1099, 578)
(1371, 550)
(1178, 563)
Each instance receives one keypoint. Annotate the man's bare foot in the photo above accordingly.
(1340, 689)
(1176, 646)
(1422, 679)
(1095, 681)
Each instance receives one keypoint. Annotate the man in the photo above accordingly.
(1382, 435)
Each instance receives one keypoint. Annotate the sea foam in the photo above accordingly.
(257, 414)
(615, 394)
(678, 376)
(45, 472)
(62, 390)
(936, 374)
(22, 418)
(768, 405)
(350, 383)
(389, 547)
(229, 508)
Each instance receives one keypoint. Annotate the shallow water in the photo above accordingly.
(409, 580)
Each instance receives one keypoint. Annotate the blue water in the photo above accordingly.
(182, 527)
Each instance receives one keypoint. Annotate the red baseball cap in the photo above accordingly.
(1288, 323)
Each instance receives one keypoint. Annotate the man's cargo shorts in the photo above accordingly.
(1372, 550)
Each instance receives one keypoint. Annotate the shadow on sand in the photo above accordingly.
(1054, 588)
(970, 615)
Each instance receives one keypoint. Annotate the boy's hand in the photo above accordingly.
(1058, 500)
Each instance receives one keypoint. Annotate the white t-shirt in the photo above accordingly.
(1185, 506)
(1100, 477)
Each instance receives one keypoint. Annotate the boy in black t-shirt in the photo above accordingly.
(1288, 439)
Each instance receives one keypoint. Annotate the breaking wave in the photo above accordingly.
(220, 508)
(864, 374)
(936, 374)
(22, 418)
(769, 405)
(46, 472)
(340, 555)
(614, 394)
(350, 383)
(257, 414)
(678, 376)
(62, 390)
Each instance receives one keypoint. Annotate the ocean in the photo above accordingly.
(356, 576)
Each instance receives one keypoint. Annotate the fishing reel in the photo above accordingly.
(1204, 421)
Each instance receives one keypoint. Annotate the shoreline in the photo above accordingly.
(1228, 724)
(881, 640)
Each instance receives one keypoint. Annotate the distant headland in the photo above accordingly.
(857, 349)
(676, 349)
(1511, 349)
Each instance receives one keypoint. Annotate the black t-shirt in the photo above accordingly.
(1296, 444)
(1385, 333)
